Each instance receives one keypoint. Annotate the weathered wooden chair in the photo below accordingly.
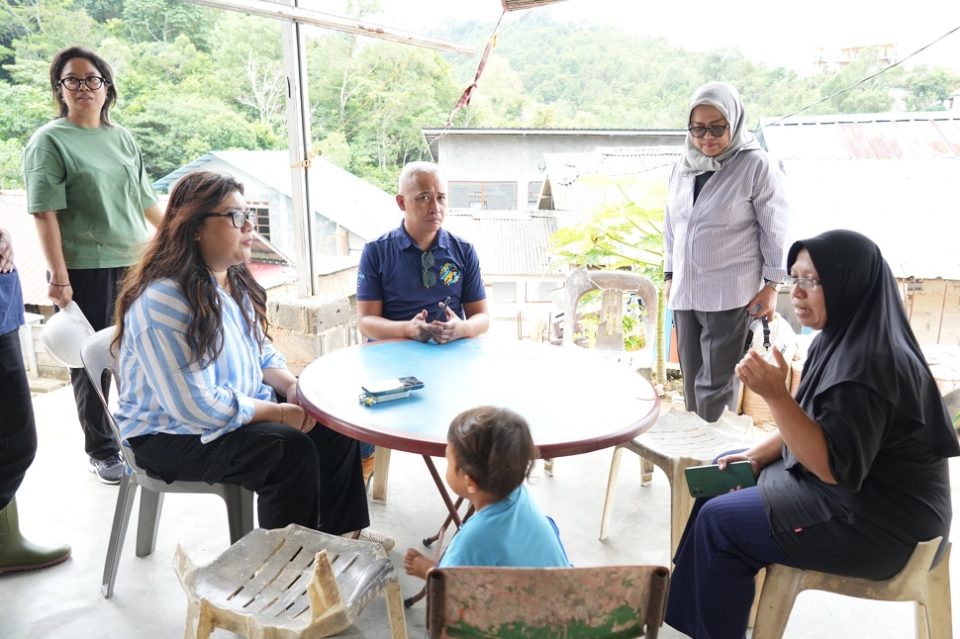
(289, 583)
(101, 367)
(918, 581)
(603, 601)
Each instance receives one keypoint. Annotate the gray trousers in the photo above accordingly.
(710, 343)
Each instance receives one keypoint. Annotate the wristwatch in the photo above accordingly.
(771, 284)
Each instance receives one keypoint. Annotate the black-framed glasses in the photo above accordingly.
(806, 283)
(92, 82)
(716, 130)
(237, 218)
(428, 277)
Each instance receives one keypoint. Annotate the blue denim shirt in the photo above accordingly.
(11, 302)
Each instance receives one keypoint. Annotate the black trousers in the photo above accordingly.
(95, 292)
(18, 431)
(311, 479)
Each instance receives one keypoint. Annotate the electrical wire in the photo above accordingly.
(859, 82)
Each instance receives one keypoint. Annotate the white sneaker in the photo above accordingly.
(369, 534)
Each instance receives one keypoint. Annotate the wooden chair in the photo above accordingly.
(289, 583)
(918, 581)
(605, 601)
(101, 365)
(679, 440)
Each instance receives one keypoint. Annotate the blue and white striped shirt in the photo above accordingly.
(160, 393)
(721, 247)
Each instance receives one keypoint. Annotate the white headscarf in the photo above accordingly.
(725, 98)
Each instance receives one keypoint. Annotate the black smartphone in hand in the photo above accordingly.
(442, 314)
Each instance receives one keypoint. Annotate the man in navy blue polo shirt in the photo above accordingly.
(406, 275)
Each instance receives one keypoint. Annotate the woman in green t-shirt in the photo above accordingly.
(91, 198)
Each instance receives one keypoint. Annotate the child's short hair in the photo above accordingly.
(494, 447)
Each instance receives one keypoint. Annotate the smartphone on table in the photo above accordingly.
(392, 385)
(707, 481)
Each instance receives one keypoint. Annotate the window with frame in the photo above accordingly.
(533, 193)
(542, 290)
(502, 292)
(485, 196)
(262, 209)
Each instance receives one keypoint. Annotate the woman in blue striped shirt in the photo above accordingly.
(199, 375)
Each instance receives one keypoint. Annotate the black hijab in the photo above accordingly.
(867, 338)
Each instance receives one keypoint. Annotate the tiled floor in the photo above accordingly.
(61, 501)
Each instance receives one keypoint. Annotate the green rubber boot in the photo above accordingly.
(17, 553)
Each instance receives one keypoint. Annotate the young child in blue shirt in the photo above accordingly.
(489, 454)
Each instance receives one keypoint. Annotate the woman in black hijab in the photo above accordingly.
(855, 476)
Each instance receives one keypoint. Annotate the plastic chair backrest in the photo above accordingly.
(603, 601)
(613, 284)
(101, 365)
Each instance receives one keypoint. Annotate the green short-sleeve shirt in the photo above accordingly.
(95, 180)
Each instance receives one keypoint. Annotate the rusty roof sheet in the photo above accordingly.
(878, 136)
(889, 176)
(908, 207)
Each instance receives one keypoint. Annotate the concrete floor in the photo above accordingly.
(60, 501)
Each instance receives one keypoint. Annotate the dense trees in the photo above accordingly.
(193, 79)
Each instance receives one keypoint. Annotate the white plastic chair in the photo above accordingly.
(101, 365)
(289, 583)
(928, 587)
(678, 440)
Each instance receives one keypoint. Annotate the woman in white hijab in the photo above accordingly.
(725, 227)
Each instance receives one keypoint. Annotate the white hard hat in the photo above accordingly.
(64, 333)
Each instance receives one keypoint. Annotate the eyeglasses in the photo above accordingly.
(238, 218)
(92, 82)
(716, 130)
(806, 283)
(426, 262)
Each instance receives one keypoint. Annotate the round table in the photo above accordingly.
(574, 400)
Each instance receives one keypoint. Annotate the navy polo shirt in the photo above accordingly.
(11, 302)
(391, 272)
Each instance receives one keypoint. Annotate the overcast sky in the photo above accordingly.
(774, 32)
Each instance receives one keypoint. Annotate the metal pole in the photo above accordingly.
(298, 137)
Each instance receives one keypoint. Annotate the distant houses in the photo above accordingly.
(889, 176)
(347, 210)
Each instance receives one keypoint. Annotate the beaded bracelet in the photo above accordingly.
(282, 420)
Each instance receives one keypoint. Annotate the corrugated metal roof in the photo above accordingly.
(878, 136)
(908, 207)
(338, 195)
(606, 175)
(507, 242)
(433, 136)
(890, 176)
